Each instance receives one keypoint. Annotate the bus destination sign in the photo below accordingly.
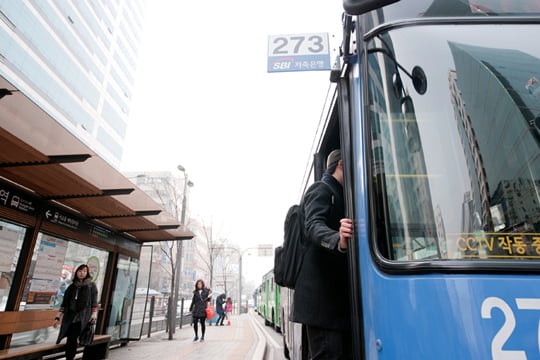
(300, 52)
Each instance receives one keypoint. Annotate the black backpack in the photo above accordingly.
(288, 258)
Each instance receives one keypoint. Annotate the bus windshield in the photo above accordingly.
(456, 160)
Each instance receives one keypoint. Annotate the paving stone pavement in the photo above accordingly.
(238, 341)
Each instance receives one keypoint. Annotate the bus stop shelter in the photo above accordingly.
(62, 205)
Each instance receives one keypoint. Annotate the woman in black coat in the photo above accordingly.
(79, 308)
(201, 296)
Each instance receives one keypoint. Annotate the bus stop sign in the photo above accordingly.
(301, 52)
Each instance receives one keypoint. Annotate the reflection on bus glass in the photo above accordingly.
(461, 158)
(502, 7)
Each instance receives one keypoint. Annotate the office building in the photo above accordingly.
(77, 61)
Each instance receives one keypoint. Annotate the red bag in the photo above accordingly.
(210, 313)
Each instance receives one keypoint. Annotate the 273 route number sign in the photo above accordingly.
(299, 52)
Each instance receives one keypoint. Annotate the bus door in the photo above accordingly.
(446, 179)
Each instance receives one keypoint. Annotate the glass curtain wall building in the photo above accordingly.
(77, 61)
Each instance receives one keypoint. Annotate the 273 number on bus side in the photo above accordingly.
(506, 330)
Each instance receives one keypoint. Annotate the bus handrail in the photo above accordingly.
(462, 20)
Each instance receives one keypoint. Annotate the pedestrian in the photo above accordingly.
(228, 310)
(79, 307)
(321, 294)
(201, 296)
(220, 302)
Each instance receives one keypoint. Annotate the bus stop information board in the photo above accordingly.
(301, 52)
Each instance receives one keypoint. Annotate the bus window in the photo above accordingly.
(456, 170)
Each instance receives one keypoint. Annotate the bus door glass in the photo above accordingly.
(455, 135)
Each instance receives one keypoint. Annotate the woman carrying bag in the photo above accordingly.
(79, 308)
(201, 295)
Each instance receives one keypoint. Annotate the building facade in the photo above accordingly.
(76, 60)
(66, 79)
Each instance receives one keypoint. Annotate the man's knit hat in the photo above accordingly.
(333, 158)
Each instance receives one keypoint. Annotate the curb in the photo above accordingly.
(260, 349)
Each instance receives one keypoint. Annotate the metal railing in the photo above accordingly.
(156, 316)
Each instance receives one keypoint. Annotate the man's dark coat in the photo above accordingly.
(219, 304)
(321, 295)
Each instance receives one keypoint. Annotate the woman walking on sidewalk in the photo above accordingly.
(201, 296)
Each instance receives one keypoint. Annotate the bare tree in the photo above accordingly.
(212, 245)
(226, 270)
(226, 257)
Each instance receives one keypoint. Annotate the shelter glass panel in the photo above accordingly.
(143, 294)
(11, 240)
(51, 271)
(122, 298)
(53, 265)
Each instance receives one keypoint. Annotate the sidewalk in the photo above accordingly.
(241, 340)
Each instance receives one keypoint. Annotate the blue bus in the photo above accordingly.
(437, 111)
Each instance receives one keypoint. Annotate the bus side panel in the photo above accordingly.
(277, 307)
(451, 316)
(292, 332)
(267, 296)
(270, 298)
(436, 316)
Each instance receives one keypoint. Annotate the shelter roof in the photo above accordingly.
(39, 154)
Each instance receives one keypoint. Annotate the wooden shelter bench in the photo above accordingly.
(99, 349)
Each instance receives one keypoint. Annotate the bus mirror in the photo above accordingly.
(358, 7)
(419, 80)
(418, 76)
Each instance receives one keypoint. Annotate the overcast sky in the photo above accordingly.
(203, 99)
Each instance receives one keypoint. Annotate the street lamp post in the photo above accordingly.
(187, 183)
(240, 280)
(264, 250)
